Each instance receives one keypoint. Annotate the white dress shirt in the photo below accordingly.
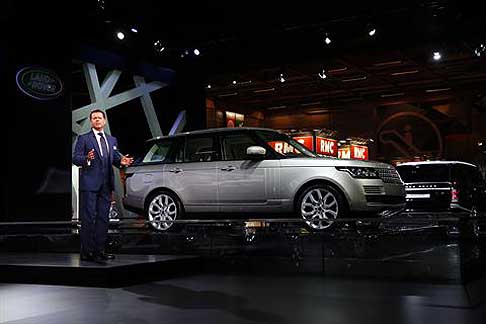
(98, 139)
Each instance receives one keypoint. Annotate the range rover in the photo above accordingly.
(254, 171)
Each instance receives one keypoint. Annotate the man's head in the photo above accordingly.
(98, 119)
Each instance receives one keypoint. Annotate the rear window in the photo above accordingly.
(424, 173)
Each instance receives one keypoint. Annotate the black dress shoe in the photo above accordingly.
(105, 256)
(86, 256)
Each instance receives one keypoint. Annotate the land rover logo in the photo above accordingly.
(39, 83)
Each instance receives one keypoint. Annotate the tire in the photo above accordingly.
(319, 205)
(469, 228)
(162, 208)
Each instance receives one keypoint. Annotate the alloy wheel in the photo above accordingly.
(319, 208)
(162, 211)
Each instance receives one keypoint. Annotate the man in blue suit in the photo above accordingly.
(95, 152)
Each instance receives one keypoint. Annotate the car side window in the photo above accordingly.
(201, 149)
(159, 152)
(235, 145)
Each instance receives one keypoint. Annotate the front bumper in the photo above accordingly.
(373, 195)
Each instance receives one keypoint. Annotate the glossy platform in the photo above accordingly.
(68, 269)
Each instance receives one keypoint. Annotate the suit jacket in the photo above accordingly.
(92, 177)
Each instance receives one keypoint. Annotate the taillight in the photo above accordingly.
(454, 194)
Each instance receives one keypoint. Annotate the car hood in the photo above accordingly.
(328, 162)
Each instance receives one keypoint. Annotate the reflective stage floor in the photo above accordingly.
(242, 298)
(241, 275)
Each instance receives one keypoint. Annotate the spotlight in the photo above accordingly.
(159, 47)
(372, 32)
(120, 35)
(134, 30)
(322, 75)
(281, 78)
(327, 40)
(437, 56)
(196, 52)
(101, 4)
(478, 51)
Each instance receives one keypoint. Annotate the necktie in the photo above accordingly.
(104, 148)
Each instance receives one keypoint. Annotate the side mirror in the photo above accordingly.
(256, 152)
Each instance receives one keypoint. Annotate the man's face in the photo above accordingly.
(98, 121)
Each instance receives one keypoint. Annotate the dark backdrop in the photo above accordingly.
(36, 137)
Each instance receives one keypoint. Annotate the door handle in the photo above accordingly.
(175, 170)
(228, 168)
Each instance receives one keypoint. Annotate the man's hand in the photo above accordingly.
(126, 160)
(91, 155)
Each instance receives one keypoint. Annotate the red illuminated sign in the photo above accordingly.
(307, 141)
(326, 146)
(356, 152)
(359, 152)
(344, 152)
(282, 147)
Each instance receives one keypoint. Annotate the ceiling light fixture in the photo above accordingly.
(322, 75)
(134, 30)
(101, 4)
(436, 56)
(437, 90)
(228, 94)
(208, 86)
(355, 79)
(196, 52)
(327, 39)
(392, 95)
(311, 103)
(478, 51)
(388, 63)
(264, 90)
(404, 72)
(317, 112)
(159, 47)
(120, 35)
(338, 70)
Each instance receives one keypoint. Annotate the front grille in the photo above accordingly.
(389, 175)
(374, 190)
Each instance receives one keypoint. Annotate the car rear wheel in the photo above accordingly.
(319, 205)
(469, 228)
(163, 208)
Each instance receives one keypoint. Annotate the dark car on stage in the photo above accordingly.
(444, 188)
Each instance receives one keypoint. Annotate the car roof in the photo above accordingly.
(212, 131)
(434, 162)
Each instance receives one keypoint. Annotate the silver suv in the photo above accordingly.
(254, 171)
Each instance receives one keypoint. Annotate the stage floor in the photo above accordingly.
(68, 269)
(243, 299)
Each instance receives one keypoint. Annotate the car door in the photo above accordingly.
(245, 185)
(193, 174)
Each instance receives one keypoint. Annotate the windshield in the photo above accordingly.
(283, 145)
(424, 173)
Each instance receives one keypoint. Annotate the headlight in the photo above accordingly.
(360, 172)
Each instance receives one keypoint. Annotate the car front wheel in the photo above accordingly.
(319, 206)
